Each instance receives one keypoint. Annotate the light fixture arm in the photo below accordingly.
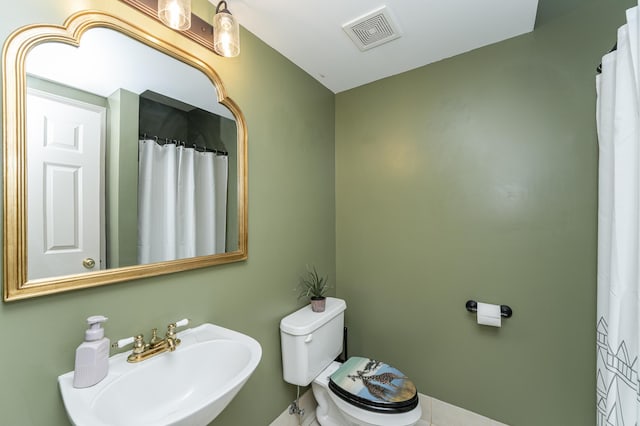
(225, 10)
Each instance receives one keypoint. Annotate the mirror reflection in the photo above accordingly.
(130, 158)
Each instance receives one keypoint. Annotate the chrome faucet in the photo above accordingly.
(142, 350)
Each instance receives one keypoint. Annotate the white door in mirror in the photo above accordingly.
(64, 144)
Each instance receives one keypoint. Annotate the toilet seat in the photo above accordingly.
(374, 386)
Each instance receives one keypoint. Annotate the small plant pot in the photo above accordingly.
(318, 304)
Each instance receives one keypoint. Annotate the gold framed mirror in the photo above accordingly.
(23, 234)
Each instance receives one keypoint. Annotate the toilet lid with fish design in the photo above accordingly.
(374, 386)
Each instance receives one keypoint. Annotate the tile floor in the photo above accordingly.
(434, 413)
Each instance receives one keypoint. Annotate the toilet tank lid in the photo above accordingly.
(305, 321)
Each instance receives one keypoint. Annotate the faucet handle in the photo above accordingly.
(171, 331)
(122, 342)
(138, 344)
(182, 322)
(171, 328)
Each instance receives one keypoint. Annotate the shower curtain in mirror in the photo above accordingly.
(182, 202)
(618, 306)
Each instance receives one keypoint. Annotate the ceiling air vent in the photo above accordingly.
(372, 29)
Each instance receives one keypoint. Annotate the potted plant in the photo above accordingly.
(313, 286)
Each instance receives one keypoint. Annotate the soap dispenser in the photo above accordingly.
(92, 356)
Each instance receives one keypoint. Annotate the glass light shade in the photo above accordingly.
(226, 35)
(175, 14)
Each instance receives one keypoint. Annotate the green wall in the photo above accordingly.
(122, 179)
(290, 119)
(476, 178)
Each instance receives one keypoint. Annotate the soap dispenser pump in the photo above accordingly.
(92, 356)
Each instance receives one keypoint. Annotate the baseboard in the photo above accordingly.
(434, 413)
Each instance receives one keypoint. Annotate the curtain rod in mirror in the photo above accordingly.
(201, 31)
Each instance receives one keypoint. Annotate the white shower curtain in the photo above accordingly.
(182, 202)
(618, 306)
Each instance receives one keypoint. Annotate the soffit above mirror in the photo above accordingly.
(106, 61)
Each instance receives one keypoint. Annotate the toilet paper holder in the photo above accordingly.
(505, 311)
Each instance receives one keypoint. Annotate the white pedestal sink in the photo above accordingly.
(189, 386)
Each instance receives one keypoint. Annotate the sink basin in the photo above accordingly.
(189, 386)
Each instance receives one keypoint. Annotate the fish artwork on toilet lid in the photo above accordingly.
(374, 386)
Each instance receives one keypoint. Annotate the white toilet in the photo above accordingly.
(360, 392)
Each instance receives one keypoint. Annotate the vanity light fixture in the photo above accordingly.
(223, 37)
(175, 14)
(226, 32)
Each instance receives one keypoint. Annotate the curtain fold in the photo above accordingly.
(182, 197)
(618, 303)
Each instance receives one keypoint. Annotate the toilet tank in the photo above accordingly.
(310, 341)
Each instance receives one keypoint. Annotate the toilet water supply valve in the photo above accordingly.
(294, 408)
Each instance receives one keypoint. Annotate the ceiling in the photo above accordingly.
(309, 33)
(88, 67)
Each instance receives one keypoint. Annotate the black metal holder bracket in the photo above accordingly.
(505, 311)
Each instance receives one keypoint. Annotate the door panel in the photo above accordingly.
(61, 208)
(65, 141)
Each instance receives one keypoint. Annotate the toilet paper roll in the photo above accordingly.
(489, 314)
